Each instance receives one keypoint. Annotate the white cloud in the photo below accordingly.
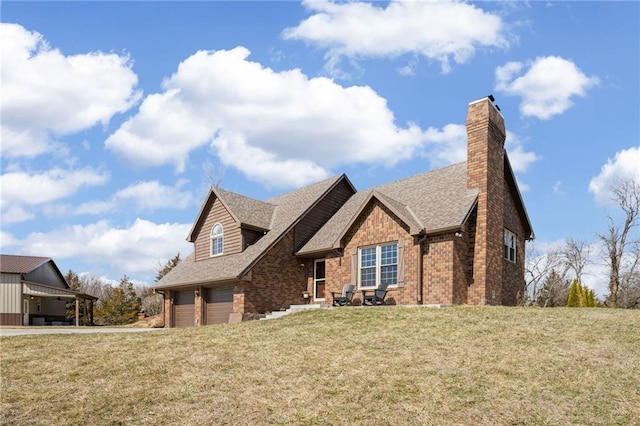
(557, 188)
(625, 165)
(447, 146)
(520, 159)
(279, 128)
(142, 196)
(547, 86)
(6, 240)
(20, 189)
(15, 214)
(443, 31)
(23, 188)
(134, 250)
(46, 94)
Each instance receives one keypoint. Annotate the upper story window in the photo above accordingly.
(217, 239)
(378, 264)
(509, 245)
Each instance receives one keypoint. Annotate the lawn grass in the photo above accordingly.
(343, 366)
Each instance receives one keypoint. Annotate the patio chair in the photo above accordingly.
(345, 298)
(375, 296)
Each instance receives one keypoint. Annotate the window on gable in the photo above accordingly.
(378, 264)
(509, 245)
(217, 239)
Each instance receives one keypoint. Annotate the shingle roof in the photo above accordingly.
(432, 201)
(248, 211)
(289, 208)
(14, 264)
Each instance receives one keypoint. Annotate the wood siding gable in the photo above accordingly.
(322, 212)
(217, 213)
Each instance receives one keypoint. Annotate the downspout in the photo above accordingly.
(419, 253)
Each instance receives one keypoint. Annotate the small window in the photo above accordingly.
(217, 239)
(378, 264)
(509, 245)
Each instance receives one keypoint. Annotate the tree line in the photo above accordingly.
(555, 278)
(121, 304)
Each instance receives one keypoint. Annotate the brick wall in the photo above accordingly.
(438, 270)
(513, 284)
(376, 225)
(277, 281)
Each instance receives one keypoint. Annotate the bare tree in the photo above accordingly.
(213, 173)
(576, 256)
(538, 265)
(554, 291)
(629, 291)
(626, 196)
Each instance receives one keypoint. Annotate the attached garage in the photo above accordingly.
(184, 308)
(219, 304)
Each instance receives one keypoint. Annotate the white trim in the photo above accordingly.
(315, 280)
(378, 265)
(217, 236)
(510, 242)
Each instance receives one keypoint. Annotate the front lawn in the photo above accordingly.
(368, 366)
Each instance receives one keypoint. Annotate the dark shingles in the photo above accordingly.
(248, 211)
(438, 199)
(289, 208)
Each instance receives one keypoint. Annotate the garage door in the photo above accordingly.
(219, 305)
(183, 308)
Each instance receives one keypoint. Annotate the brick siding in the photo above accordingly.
(278, 279)
(376, 225)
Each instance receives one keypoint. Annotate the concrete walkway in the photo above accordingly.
(26, 331)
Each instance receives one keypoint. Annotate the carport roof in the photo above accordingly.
(14, 264)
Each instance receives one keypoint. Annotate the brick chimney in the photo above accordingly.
(485, 171)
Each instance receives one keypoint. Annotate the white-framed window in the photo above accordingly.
(378, 264)
(217, 239)
(509, 245)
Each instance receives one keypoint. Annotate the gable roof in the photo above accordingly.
(15, 264)
(433, 201)
(288, 209)
(245, 211)
(249, 211)
(18, 264)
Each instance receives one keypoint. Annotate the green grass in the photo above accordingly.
(345, 366)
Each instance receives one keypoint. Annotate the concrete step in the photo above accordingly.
(292, 309)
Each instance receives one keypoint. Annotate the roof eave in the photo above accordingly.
(511, 180)
(194, 283)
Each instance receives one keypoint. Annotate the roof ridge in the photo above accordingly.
(293, 191)
(243, 196)
(439, 169)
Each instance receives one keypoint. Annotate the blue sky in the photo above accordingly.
(116, 117)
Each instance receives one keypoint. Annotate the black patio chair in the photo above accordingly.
(375, 296)
(345, 298)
